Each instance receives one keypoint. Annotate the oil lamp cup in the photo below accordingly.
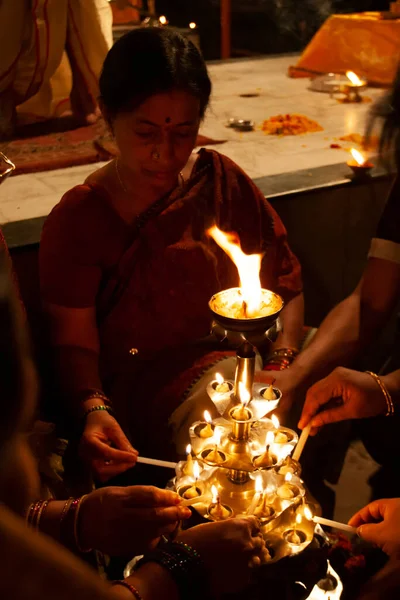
(240, 428)
(212, 512)
(295, 537)
(198, 442)
(206, 453)
(225, 312)
(188, 493)
(264, 467)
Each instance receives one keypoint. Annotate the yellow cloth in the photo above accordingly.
(364, 43)
(49, 45)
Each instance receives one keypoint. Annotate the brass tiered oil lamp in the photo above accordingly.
(244, 455)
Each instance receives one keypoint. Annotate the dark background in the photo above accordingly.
(260, 26)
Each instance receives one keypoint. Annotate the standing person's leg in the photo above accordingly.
(89, 37)
(41, 47)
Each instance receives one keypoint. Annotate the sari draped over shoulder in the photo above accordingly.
(152, 305)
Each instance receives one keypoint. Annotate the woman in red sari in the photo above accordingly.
(127, 269)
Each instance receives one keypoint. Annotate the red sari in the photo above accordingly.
(151, 284)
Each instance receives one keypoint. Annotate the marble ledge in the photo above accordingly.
(279, 187)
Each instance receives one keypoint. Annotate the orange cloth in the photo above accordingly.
(121, 16)
(364, 43)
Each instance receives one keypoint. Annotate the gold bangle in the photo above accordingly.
(388, 398)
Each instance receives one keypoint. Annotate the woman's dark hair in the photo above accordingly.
(386, 112)
(14, 349)
(150, 61)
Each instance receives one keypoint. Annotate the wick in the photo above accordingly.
(244, 308)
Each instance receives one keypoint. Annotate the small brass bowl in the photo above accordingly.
(204, 454)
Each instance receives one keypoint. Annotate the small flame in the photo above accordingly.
(244, 394)
(217, 436)
(192, 25)
(271, 489)
(163, 20)
(214, 494)
(288, 477)
(196, 470)
(219, 379)
(275, 421)
(270, 438)
(299, 518)
(259, 484)
(248, 266)
(189, 449)
(355, 80)
(358, 157)
(207, 417)
(307, 513)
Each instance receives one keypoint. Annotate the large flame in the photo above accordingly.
(248, 266)
(358, 157)
(355, 80)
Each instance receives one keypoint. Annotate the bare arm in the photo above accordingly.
(352, 324)
(293, 321)
(75, 343)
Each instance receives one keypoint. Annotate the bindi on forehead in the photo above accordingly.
(168, 120)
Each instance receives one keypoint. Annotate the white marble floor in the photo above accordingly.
(33, 195)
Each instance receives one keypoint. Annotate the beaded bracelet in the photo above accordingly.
(383, 388)
(97, 408)
(129, 587)
(92, 394)
(281, 359)
(184, 565)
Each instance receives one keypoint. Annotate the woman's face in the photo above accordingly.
(19, 479)
(157, 138)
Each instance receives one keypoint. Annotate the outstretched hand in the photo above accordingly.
(357, 396)
(105, 447)
(379, 523)
(124, 521)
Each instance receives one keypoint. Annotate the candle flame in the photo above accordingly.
(248, 266)
(217, 436)
(355, 80)
(259, 484)
(358, 157)
(192, 25)
(219, 379)
(271, 489)
(163, 20)
(275, 421)
(207, 417)
(299, 518)
(189, 449)
(244, 394)
(196, 470)
(214, 494)
(307, 513)
(270, 438)
(288, 477)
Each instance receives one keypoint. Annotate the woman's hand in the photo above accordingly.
(124, 521)
(379, 523)
(358, 397)
(105, 447)
(227, 549)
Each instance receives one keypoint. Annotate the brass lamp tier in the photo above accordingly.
(236, 452)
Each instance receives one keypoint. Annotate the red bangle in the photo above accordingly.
(129, 587)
